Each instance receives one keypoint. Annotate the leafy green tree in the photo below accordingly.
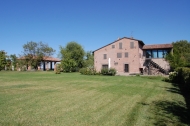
(89, 59)
(72, 57)
(2, 60)
(14, 60)
(35, 52)
(8, 63)
(181, 54)
(21, 64)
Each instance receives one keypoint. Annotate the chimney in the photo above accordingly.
(118, 38)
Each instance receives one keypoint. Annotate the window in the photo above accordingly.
(105, 66)
(131, 45)
(165, 52)
(148, 54)
(105, 56)
(113, 46)
(160, 54)
(119, 55)
(120, 45)
(154, 53)
(126, 54)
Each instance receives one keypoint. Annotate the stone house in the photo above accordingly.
(132, 56)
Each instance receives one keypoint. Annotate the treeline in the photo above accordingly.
(180, 56)
(180, 64)
(73, 57)
(32, 55)
(7, 62)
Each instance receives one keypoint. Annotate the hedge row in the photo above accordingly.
(92, 71)
(88, 71)
(106, 71)
(181, 75)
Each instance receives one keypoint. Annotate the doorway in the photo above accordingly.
(126, 67)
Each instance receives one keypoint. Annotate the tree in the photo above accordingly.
(181, 54)
(72, 57)
(2, 60)
(8, 63)
(13, 60)
(89, 59)
(35, 52)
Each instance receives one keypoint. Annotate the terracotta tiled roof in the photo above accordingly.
(121, 39)
(46, 58)
(158, 46)
(51, 59)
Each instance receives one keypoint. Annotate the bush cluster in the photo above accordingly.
(173, 76)
(58, 69)
(88, 71)
(181, 75)
(23, 68)
(92, 71)
(106, 71)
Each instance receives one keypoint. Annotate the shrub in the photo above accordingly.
(106, 71)
(82, 70)
(173, 76)
(137, 75)
(166, 79)
(92, 71)
(186, 75)
(58, 69)
(23, 68)
(112, 71)
(88, 71)
(183, 76)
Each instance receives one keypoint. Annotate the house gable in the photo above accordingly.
(140, 41)
(118, 53)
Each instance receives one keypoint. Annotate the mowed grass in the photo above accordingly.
(44, 98)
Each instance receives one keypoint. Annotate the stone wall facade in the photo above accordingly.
(128, 56)
(117, 54)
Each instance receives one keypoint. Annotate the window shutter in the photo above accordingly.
(119, 55)
(126, 54)
(120, 45)
(131, 45)
(105, 56)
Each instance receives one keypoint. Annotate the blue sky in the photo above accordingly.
(91, 23)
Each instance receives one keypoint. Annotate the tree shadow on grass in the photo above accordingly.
(178, 88)
(172, 112)
(174, 90)
(164, 113)
(185, 91)
(169, 113)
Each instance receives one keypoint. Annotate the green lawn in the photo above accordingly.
(44, 98)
